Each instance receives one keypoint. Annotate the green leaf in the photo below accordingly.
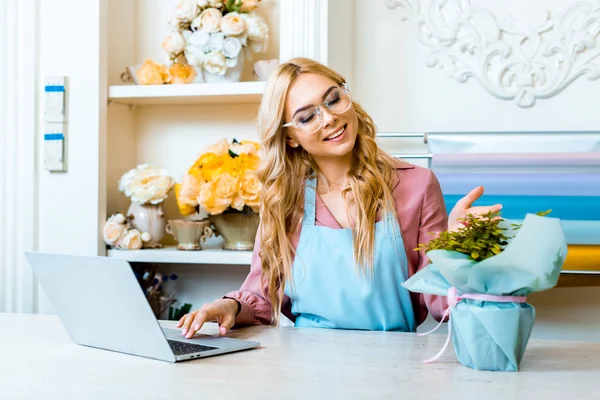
(232, 154)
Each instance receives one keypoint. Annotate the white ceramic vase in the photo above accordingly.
(148, 218)
(233, 74)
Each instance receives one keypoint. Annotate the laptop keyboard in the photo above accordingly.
(180, 348)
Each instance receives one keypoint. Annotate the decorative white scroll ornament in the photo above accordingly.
(510, 59)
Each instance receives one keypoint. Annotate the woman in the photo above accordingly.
(340, 218)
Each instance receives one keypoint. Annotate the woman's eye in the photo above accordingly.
(306, 118)
(333, 100)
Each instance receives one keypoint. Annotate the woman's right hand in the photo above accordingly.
(223, 311)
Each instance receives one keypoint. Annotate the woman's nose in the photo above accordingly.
(328, 117)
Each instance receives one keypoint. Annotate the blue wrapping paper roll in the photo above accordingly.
(527, 184)
(574, 208)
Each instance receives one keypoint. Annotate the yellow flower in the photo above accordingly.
(186, 194)
(209, 201)
(247, 163)
(181, 73)
(249, 189)
(206, 166)
(226, 186)
(152, 73)
(225, 177)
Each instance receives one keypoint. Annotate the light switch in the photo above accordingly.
(55, 99)
(54, 147)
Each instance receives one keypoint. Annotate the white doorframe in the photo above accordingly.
(18, 157)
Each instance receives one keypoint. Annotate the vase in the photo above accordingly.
(238, 228)
(233, 74)
(148, 218)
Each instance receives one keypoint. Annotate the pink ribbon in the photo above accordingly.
(453, 300)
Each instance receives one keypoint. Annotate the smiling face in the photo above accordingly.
(337, 135)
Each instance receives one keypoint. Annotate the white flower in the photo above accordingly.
(199, 39)
(194, 56)
(146, 237)
(231, 62)
(233, 24)
(232, 47)
(247, 148)
(215, 63)
(132, 240)
(195, 25)
(256, 26)
(118, 218)
(216, 42)
(210, 20)
(146, 184)
(258, 46)
(219, 148)
(187, 10)
(174, 43)
(202, 3)
(249, 5)
(113, 232)
(215, 3)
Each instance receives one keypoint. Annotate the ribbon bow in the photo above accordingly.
(453, 300)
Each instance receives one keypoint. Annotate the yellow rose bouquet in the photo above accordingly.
(223, 178)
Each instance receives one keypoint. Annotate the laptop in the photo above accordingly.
(102, 305)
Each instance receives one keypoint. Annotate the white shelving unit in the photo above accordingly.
(205, 93)
(212, 253)
(170, 254)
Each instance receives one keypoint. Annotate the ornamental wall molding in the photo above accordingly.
(510, 59)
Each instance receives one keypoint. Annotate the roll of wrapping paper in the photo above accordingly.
(576, 208)
(581, 232)
(516, 162)
(521, 184)
(582, 258)
(508, 142)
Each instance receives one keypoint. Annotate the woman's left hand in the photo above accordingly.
(463, 207)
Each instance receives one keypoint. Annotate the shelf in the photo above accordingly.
(210, 254)
(198, 93)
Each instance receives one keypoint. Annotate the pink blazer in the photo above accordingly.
(421, 210)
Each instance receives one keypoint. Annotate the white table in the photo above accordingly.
(39, 361)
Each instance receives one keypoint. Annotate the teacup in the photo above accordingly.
(189, 234)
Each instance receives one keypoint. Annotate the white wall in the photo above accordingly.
(72, 204)
(403, 95)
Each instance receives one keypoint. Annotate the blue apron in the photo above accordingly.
(328, 290)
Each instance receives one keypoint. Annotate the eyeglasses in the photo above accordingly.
(310, 119)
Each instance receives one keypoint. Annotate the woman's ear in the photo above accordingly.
(292, 143)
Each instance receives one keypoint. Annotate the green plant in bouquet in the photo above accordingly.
(481, 237)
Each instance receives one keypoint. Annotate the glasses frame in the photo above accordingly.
(319, 113)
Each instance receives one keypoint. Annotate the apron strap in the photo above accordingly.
(310, 202)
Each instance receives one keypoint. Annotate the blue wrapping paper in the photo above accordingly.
(490, 335)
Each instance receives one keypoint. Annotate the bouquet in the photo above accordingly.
(153, 73)
(223, 178)
(213, 34)
(118, 233)
(487, 268)
(146, 184)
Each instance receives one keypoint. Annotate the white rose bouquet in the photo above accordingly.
(212, 35)
(146, 184)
